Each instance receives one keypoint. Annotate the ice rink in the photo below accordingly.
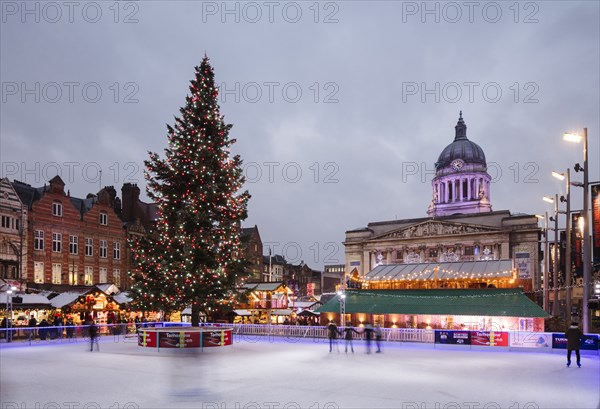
(277, 373)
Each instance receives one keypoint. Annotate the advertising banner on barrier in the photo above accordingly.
(147, 339)
(179, 339)
(589, 343)
(530, 340)
(452, 337)
(489, 338)
(217, 338)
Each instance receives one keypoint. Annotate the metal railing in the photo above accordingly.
(69, 333)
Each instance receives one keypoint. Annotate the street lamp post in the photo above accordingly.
(546, 260)
(342, 295)
(9, 310)
(568, 279)
(586, 239)
(556, 254)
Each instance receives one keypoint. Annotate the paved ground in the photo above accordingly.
(268, 373)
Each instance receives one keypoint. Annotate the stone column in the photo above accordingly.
(446, 190)
(469, 188)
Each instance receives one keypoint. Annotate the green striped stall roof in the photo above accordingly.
(493, 302)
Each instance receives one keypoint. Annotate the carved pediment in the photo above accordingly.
(435, 228)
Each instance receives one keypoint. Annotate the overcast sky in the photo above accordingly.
(340, 108)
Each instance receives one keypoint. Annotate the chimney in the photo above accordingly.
(130, 193)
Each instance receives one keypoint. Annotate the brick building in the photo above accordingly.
(253, 250)
(71, 240)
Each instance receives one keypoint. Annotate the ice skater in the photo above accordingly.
(574, 336)
(94, 337)
(333, 334)
(348, 331)
(378, 335)
(368, 336)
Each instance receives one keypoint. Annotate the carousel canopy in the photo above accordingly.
(492, 302)
(488, 269)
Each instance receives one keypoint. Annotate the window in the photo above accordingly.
(103, 250)
(103, 275)
(103, 219)
(56, 242)
(117, 250)
(89, 246)
(88, 279)
(73, 274)
(117, 277)
(469, 251)
(38, 272)
(6, 222)
(57, 209)
(38, 241)
(73, 245)
(56, 273)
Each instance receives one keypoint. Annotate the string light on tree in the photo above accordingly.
(193, 255)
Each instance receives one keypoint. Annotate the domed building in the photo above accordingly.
(461, 184)
(426, 272)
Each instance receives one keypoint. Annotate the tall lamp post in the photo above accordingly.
(568, 279)
(556, 253)
(572, 137)
(9, 310)
(342, 295)
(546, 260)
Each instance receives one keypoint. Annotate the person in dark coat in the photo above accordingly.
(333, 334)
(574, 336)
(70, 328)
(378, 337)
(31, 325)
(43, 332)
(348, 336)
(94, 336)
(368, 336)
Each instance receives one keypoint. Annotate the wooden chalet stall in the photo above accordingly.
(267, 302)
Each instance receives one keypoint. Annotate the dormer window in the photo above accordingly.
(57, 209)
(103, 219)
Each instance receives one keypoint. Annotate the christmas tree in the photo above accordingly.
(193, 256)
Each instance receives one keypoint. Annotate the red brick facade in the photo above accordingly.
(68, 226)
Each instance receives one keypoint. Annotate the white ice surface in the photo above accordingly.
(275, 373)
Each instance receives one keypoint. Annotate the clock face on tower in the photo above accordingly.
(457, 164)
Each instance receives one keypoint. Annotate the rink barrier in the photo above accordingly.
(128, 332)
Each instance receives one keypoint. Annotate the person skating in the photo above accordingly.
(348, 331)
(368, 336)
(94, 336)
(378, 335)
(574, 336)
(333, 334)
